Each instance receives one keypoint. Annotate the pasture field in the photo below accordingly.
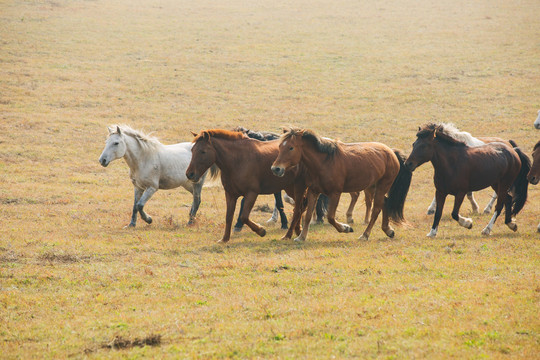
(75, 283)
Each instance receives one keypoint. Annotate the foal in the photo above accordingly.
(245, 171)
(460, 169)
(534, 173)
(333, 167)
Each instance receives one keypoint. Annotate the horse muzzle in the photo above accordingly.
(533, 179)
(192, 176)
(278, 171)
(104, 162)
(409, 165)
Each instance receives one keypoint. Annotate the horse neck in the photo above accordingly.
(135, 154)
(313, 159)
(228, 153)
(441, 158)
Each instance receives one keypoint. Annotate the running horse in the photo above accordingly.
(244, 165)
(333, 168)
(534, 173)
(460, 169)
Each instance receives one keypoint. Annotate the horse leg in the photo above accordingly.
(333, 201)
(197, 189)
(440, 198)
(433, 206)
(138, 193)
(501, 199)
(311, 202)
(354, 198)
(508, 214)
(299, 208)
(473, 202)
(378, 203)
(463, 221)
(489, 206)
(279, 207)
(147, 194)
(239, 224)
(231, 205)
(369, 194)
(321, 209)
(248, 205)
(277, 198)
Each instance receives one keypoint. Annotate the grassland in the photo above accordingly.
(74, 283)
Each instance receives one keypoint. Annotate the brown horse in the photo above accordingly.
(460, 169)
(534, 174)
(245, 171)
(333, 168)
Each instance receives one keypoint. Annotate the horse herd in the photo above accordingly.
(314, 171)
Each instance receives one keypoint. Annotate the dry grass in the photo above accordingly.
(72, 279)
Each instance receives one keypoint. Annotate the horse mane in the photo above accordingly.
(448, 133)
(143, 139)
(257, 135)
(220, 134)
(324, 145)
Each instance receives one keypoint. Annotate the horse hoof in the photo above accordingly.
(222, 241)
(299, 240)
(284, 227)
(486, 232)
(432, 233)
(487, 211)
(237, 229)
(285, 237)
(271, 221)
(512, 226)
(350, 221)
(363, 237)
(148, 220)
(261, 232)
(191, 222)
(131, 225)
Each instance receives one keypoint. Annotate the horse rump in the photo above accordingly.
(521, 184)
(395, 200)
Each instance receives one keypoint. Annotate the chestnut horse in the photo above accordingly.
(534, 174)
(245, 171)
(333, 167)
(460, 169)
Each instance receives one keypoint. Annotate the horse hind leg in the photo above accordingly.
(239, 223)
(378, 204)
(279, 208)
(508, 214)
(489, 206)
(332, 207)
(473, 202)
(432, 207)
(463, 221)
(501, 199)
(369, 194)
(244, 216)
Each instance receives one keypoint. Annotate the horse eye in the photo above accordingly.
(291, 148)
(116, 143)
(203, 152)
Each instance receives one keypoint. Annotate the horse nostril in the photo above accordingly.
(190, 175)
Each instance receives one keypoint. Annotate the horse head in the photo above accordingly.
(290, 151)
(534, 174)
(423, 147)
(203, 156)
(115, 147)
(537, 122)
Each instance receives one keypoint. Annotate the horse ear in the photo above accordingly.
(194, 134)
(118, 130)
(110, 130)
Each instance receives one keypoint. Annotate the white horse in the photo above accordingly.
(152, 166)
(537, 122)
(470, 140)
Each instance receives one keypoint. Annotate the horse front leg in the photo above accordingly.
(333, 201)
(501, 198)
(280, 208)
(433, 206)
(299, 208)
(440, 198)
(231, 205)
(490, 204)
(147, 194)
(463, 221)
(197, 189)
(137, 195)
(354, 199)
(473, 202)
(239, 224)
(378, 204)
(311, 202)
(508, 214)
(248, 205)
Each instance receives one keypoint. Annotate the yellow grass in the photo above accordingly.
(73, 282)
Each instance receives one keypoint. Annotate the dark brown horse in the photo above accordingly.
(534, 174)
(460, 169)
(333, 168)
(245, 171)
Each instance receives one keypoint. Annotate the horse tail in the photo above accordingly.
(398, 192)
(521, 184)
